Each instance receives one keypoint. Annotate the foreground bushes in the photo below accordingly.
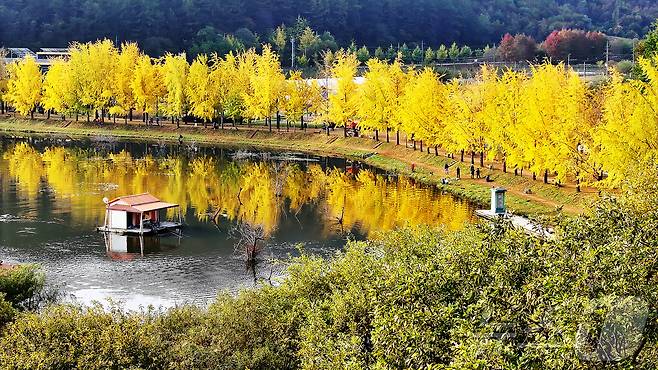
(20, 288)
(22, 285)
(485, 297)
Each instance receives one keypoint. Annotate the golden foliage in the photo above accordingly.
(124, 74)
(174, 71)
(148, 84)
(267, 84)
(24, 86)
(344, 101)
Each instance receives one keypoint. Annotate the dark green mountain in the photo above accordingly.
(160, 25)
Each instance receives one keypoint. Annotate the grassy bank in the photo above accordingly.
(525, 196)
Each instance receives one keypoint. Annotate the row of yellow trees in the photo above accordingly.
(548, 121)
(102, 78)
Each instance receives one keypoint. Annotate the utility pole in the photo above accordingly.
(292, 63)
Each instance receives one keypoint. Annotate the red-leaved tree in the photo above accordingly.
(575, 44)
(517, 48)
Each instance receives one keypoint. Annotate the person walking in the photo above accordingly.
(472, 171)
(446, 168)
(459, 173)
(477, 173)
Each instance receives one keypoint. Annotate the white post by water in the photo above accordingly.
(498, 201)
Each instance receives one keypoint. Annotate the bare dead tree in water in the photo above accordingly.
(340, 220)
(250, 241)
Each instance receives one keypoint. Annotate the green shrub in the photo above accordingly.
(22, 285)
(66, 337)
(625, 66)
(7, 311)
(256, 330)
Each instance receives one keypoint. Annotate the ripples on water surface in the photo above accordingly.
(51, 195)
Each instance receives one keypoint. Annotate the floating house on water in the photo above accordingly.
(139, 214)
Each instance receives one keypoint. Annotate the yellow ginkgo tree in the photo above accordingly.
(199, 90)
(94, 66)
(553, 121)
(266, 87)
(344, 99)
(174, 74)
(397, 80)
(222, 78)
(627, 139)
(422, 108)
(24, 85)
(380, 98)
(124, 74)
(501, 111)
(148, 86)
(239, 68)
(374, 109)
(59, 89)
(296, 96)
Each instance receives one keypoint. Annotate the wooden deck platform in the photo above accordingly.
(520, 222)
(162, 227)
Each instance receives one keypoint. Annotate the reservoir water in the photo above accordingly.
(51, 193)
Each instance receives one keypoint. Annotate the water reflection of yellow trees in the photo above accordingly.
(25, 165)
(254, 192)
(372, 202)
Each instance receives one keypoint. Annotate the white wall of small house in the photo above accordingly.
(118, 243)
(118, 219)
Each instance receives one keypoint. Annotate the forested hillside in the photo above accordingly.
(160, 25)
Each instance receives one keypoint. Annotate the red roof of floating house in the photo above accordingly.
(138, 203)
